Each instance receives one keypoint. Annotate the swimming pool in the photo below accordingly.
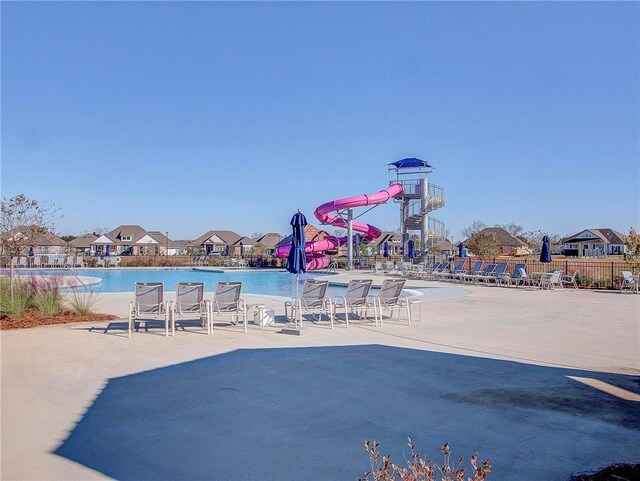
(274, 283)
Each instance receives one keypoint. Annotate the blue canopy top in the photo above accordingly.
(411, 162)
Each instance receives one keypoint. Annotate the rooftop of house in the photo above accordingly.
(226, 236)
(608, 236)
(505, 238)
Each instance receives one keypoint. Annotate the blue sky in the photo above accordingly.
(190, 116)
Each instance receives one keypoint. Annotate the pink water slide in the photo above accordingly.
(316, 259)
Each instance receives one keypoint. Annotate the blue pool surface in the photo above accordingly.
(275, 283)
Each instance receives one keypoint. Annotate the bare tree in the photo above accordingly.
(22, 220)
(515, 230)
(98, 230)
(473, 228)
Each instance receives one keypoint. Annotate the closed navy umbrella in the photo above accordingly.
(385, 251)
(545, 252)
(227, 251)
(30, 251)
(297, 260)
(411, 249)
(107, 251)
(461, 250)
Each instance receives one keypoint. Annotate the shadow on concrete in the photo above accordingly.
(304, 413)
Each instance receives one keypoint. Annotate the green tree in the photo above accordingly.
(68, 238)
(484, 245)
(632, 257)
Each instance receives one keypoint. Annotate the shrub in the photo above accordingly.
(48, 302)
(419, 469)
(81, 304)
(14, 304)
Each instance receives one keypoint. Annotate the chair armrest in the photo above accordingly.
(242, 304)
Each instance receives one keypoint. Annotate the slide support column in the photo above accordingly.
(349, 239)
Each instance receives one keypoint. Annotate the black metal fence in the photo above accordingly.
(595, 274)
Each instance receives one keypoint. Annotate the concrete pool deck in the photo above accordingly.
(61, 385)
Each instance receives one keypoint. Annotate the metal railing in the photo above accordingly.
(591, 274)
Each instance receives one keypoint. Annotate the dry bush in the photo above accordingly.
(422, 469)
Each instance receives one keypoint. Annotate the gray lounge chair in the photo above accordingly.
(149, 306)
(356, 300)
(390, 297)
(227, 302)
(312, 301)
(190, 305)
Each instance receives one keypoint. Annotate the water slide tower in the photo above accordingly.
(419, 199)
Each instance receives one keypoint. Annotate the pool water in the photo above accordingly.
(275, 283)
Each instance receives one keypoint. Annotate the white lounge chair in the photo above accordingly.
(390, 297)
(312, 301)
(36, 262)
(356, 300)
(149, 306)
(227, 301)
(114, 261)
(629, 281)
(570, 280)
(100, 262)
(190, 305)
(549, 280)
(22, 262)
(69, 262)
(79, 261)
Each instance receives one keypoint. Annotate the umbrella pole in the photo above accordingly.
(298, 302)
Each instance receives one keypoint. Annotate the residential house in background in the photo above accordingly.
(509, 244)
(82, 245)
(243, 246)
(215, 241)
(311, 234)
(42, 243)
(133, 240)
(266, 244)
(393, 240)
(171, 247)
(595, 243)
(445, 248)
(49, 243)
